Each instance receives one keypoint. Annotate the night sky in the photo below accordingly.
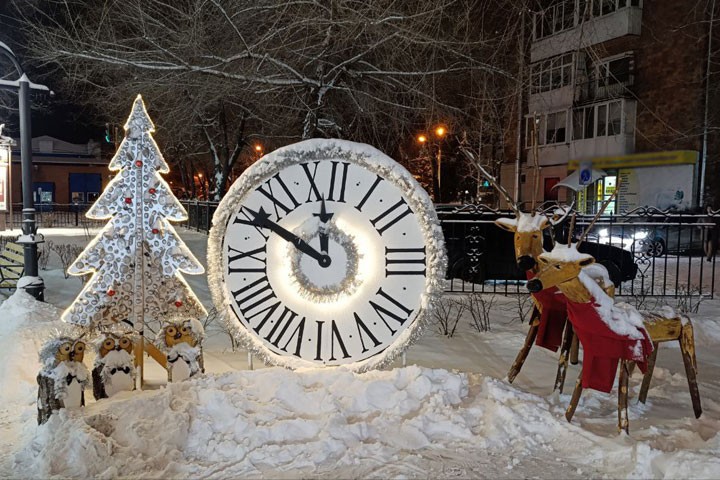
(54, 116)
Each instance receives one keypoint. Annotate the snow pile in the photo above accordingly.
(247, 423)
(26, 324)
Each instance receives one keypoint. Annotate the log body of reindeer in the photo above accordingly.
(549, 316)
(612, 332)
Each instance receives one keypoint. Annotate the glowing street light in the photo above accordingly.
(258, 148)
(440, 132)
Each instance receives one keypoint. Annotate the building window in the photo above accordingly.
(555, 19)
(551, 128)
(597, 120)
(556, 126)
(617, 71)
(552, 73)
(566, 14)
(583, 123)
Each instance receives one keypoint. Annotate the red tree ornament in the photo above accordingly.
(152, 191)
(110, 292)
(128, 200)
(178, 303)
(138, 163)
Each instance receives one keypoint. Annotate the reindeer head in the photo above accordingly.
(528, 229)
(559, 266)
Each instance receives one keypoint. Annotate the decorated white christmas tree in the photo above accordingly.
(137, 259)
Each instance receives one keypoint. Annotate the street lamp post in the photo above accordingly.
(29, 239)
(440, 133)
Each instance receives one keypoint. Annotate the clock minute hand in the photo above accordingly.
(324, 217)
(262, 219)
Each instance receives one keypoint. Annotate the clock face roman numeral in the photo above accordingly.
(253, 295)
(283, 323)
(274, 196)
(405, 261)
(245, 218)
(391, 216)
(387, 308)
(362, 327)
(252, 261)
(336, 182)
(337, 186)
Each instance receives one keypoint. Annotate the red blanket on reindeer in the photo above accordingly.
(553, 316)
(603, 346)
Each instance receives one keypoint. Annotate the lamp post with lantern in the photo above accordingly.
(439, 133)
(29, 239)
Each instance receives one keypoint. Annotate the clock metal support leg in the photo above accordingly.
(250, 361)
(404, 360)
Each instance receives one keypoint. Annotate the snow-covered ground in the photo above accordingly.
(449, 413)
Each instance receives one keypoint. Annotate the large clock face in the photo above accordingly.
(328, 255)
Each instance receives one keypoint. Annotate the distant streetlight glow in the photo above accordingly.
(440, 132)
(258, 148)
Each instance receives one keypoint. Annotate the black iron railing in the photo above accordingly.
(648, 252)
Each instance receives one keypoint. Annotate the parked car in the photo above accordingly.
(482, 251)
(679, 235)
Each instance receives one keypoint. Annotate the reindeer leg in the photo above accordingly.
(687, 347)
(574, 399)
(525, 350)
(623, 422)
(564, 357)
(574, 350)
(648, 375)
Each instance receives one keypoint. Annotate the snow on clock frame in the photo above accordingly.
(326, 253)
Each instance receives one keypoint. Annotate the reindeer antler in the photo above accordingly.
(490, 178)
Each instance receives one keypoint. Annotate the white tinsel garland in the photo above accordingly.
(323, 293)
(359, 154)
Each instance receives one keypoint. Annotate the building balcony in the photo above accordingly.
(595, 30)
(594, 91)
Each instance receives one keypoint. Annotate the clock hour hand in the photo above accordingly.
(324, 217)
(262, 219)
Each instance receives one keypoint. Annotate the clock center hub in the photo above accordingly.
(335, 273)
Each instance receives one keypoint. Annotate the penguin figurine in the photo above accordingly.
(63, 377)
(114, 369)
(182, 342)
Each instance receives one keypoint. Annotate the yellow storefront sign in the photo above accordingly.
(651, 159)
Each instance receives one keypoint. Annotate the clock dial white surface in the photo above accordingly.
(355, 290)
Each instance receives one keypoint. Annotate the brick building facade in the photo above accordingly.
(618, 87)
(63, 172)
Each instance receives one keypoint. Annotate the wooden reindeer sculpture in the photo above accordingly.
(612, 333)
(549, 317)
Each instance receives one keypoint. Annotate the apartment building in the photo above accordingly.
(616, 93)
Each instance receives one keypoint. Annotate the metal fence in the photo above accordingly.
(650, 253)
(52, 215)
